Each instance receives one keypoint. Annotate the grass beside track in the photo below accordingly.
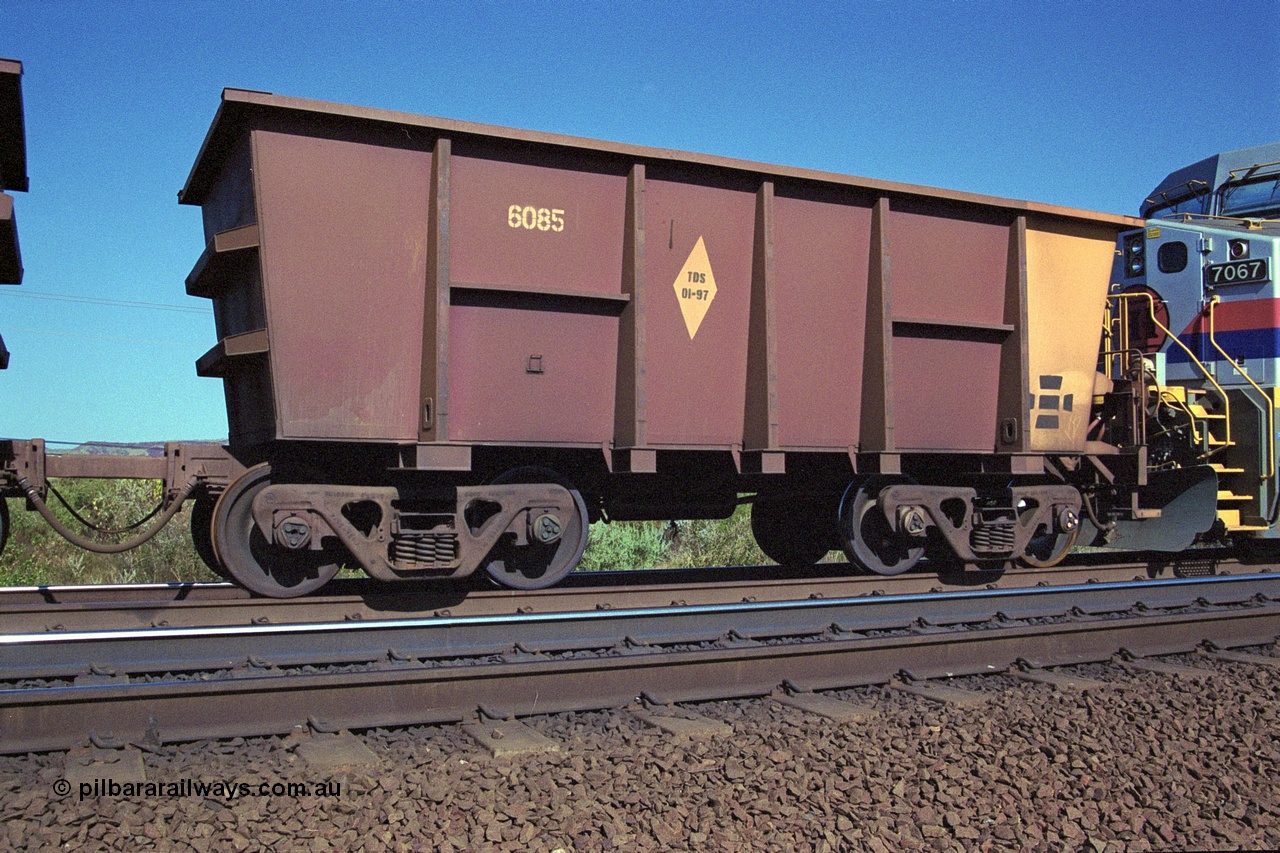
(36, 555)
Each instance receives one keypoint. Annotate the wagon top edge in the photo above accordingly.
(240, 106)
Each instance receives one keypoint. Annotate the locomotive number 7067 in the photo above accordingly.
(1236, 272)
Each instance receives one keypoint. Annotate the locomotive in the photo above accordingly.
(448, 348)
(1194, 291)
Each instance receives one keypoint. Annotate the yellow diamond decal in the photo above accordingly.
(695, 287)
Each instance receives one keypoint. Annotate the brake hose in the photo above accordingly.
(106, 547)
(98, 528)
(1104, 529)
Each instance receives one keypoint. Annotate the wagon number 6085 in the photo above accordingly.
(535, 218)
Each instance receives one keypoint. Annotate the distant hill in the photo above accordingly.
(115, 448)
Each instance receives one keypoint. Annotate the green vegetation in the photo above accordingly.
(651, 544)
(36, 555)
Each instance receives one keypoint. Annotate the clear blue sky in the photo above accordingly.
(1078, 103)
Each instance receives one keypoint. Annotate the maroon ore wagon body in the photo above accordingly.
(386, 277)
(512, 334)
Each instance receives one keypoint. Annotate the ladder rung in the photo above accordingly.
(1224, 495)
(1223, 469)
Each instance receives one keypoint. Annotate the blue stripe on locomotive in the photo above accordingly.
(1242, 343)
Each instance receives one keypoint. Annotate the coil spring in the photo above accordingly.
(423, 550)
(992, 539)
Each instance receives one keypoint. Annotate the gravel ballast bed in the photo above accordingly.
(1156, 762)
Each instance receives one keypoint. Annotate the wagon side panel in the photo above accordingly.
(948, 280)
(821, 249)
(344, 243)
(1068, 270)
(535, 296)
(699, 243)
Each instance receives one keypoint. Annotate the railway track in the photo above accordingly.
(68, 608)
(588, 647)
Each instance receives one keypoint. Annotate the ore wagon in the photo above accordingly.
(13, 175)
(449, 347)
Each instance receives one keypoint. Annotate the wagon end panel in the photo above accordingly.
(821, 248)
(535, 295)
(229, 272)
(947, 286)
(1068, 271)
(698, 264)
(343, 228)
(10, 254)
(228, 203)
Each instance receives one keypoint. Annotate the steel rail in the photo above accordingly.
(683, 653)
(189, 604)
(51, 654)
(410, 693)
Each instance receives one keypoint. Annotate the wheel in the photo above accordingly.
(867, 538)
(246, 556)
(536, 566)
(202, 532)
(1046, 548)
(796, 533)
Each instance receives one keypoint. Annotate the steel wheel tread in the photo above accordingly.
(867, 538)
(246, 556)
(202, 509)
(539, 566)
(1046, 550)
(794, 534)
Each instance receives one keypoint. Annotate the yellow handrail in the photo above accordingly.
(1123, 300)
(1270, 407)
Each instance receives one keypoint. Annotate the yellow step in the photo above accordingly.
(1226, 495)
(1199, 411)
(1223, 469)
(1231, 520)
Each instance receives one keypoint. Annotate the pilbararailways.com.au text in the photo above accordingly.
(219, 790)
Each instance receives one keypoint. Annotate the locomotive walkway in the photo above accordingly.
(166, 683)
